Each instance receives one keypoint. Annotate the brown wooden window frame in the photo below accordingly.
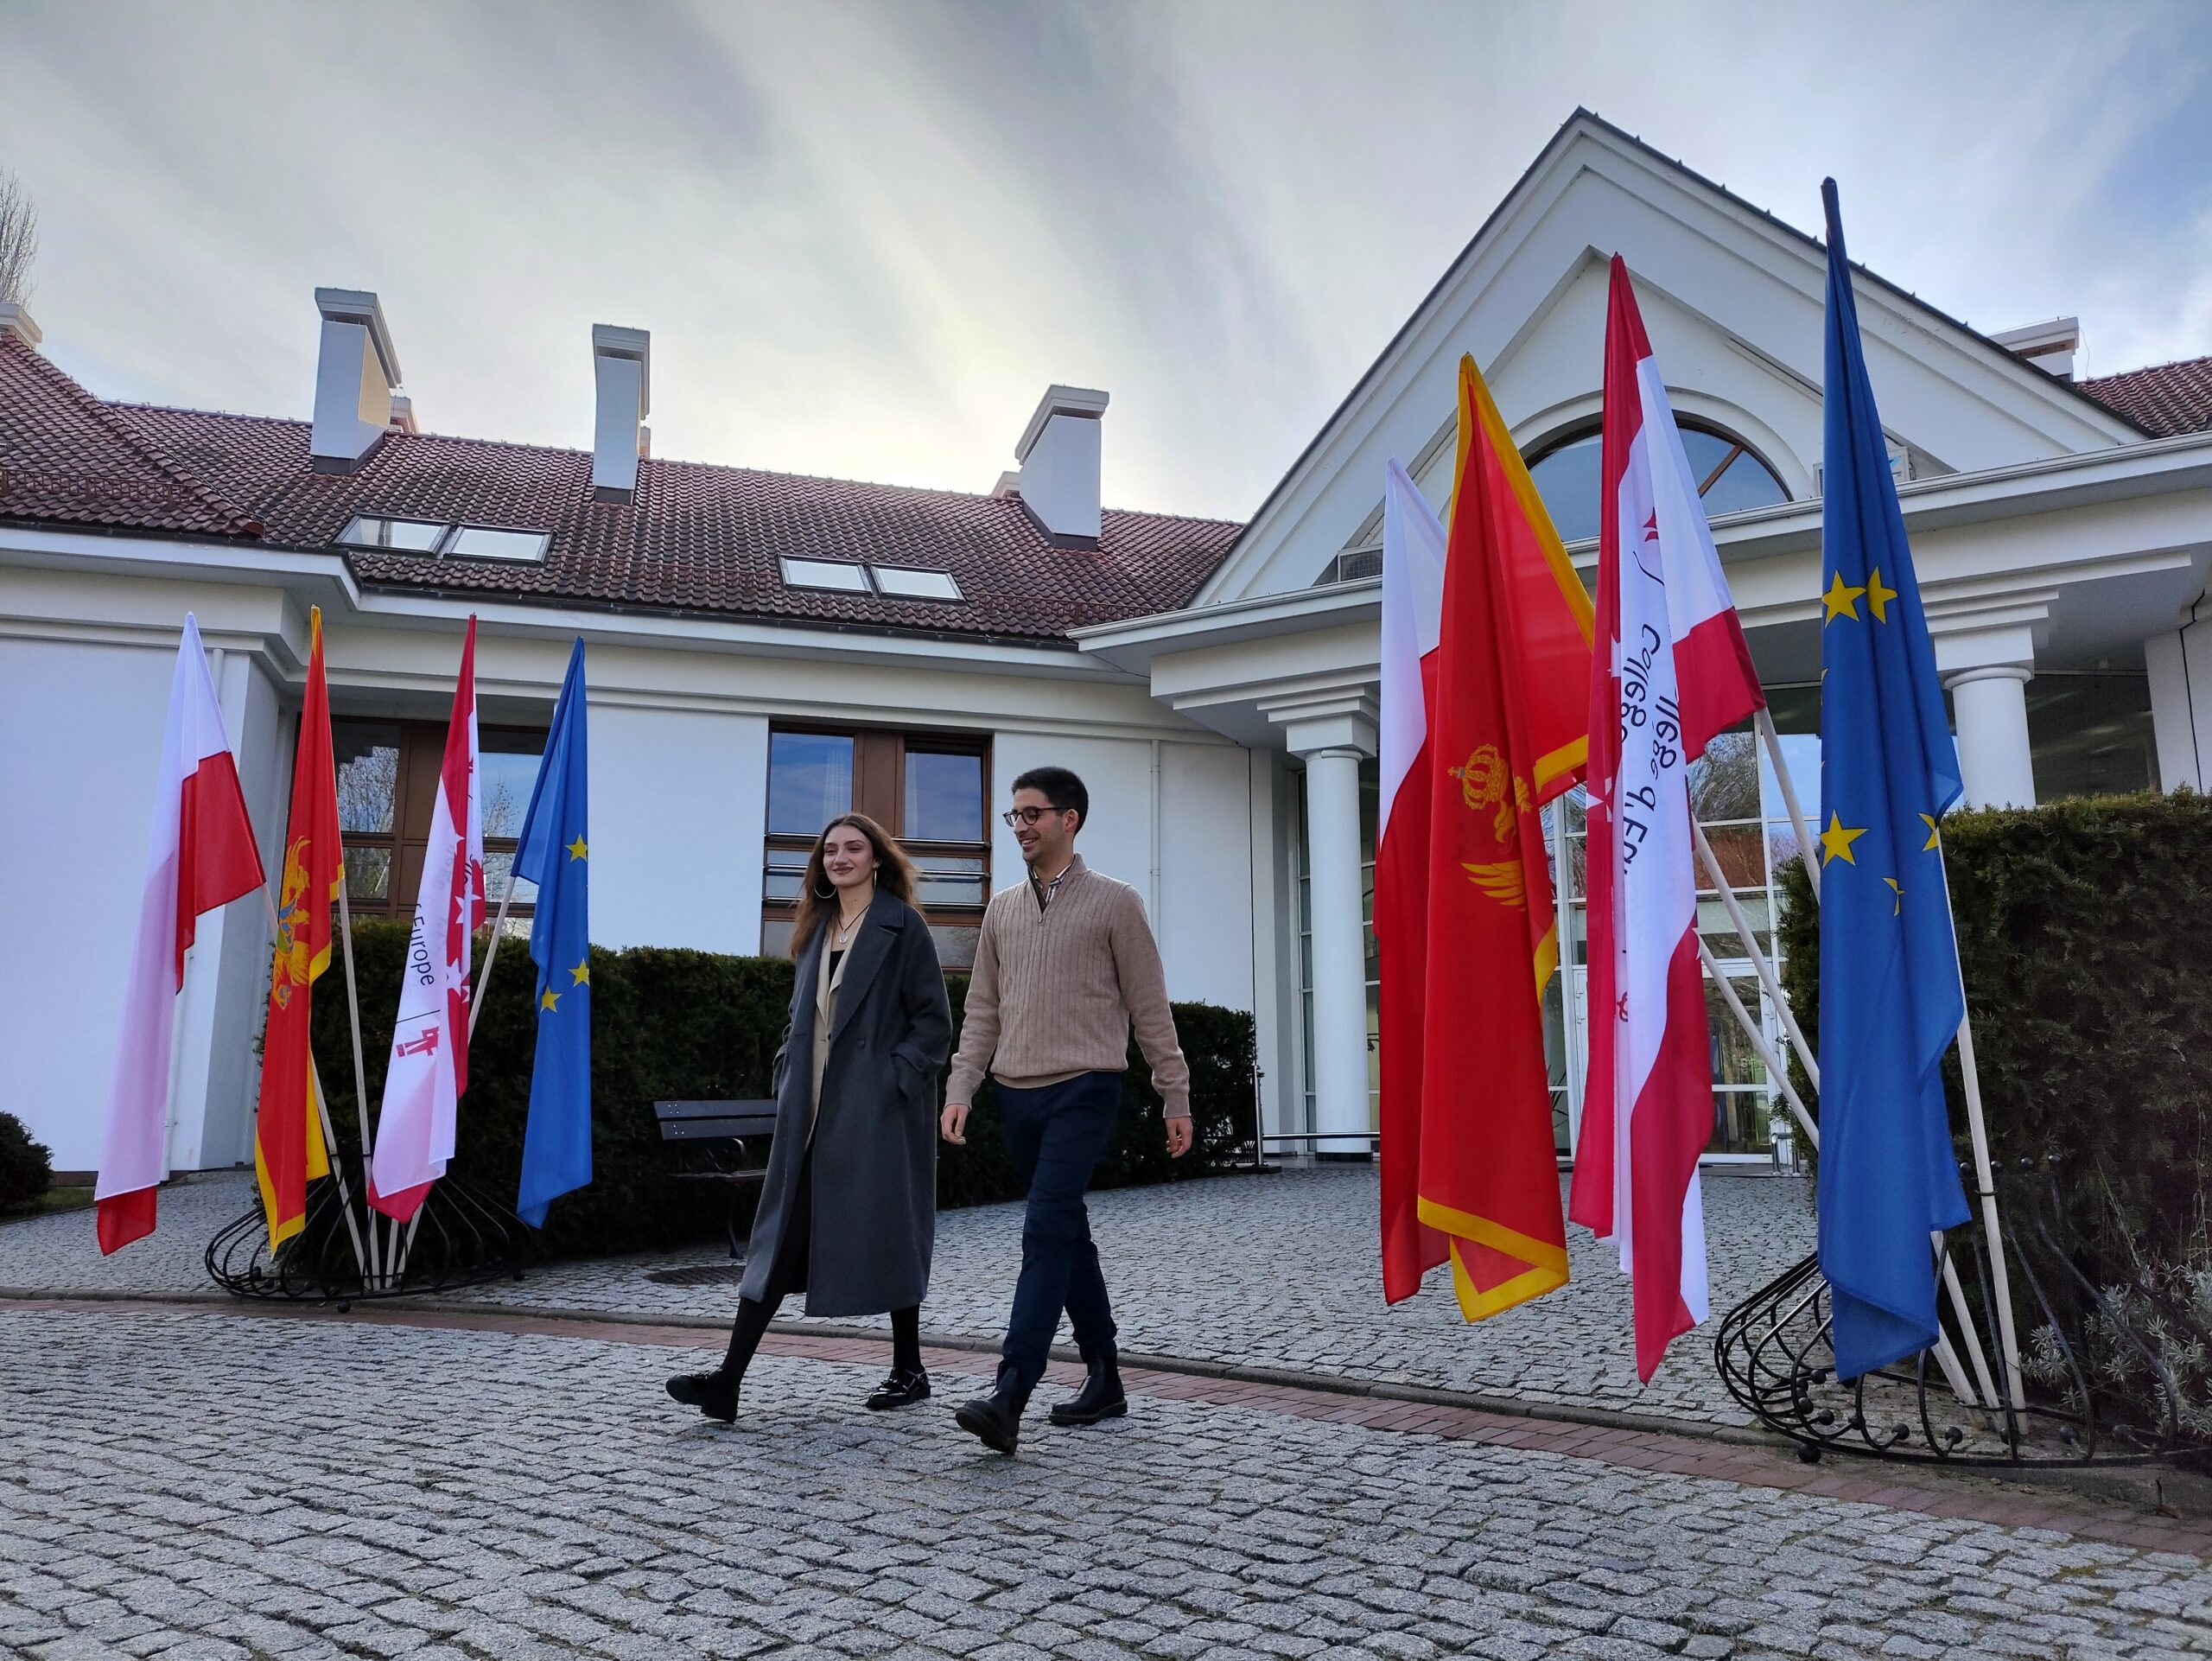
(415, 787)
(878, 790)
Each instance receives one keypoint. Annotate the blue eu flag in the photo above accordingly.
(1891, 1000)
(554, 854)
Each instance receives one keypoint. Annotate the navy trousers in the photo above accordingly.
(1056, 1136)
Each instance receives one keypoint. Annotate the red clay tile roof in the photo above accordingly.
(697, 538)
(65, 455)
(2165, 399)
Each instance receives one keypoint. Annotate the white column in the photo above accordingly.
(1334, 732)
(2179, 663)
(1340, 1101)
(1991, 708)
(1987, 664)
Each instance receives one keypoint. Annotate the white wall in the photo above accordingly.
(1204, 920)
(81, 739)
(1118, 774)
(679, 805)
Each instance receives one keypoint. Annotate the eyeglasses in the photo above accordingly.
(1021, 816)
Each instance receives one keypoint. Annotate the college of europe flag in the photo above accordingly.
(552, 852)
(1891, 997)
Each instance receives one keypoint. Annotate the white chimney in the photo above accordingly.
(354, 377)
(1058, 453)
(402, 413)
(621, 363)
(15, 321)
(2051, 347)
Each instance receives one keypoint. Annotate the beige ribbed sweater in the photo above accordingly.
(1054, 992)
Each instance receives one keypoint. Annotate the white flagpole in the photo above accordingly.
(1946, 1358)
(1750, 947)
(314, 1083)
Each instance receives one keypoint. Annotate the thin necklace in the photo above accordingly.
(845, 925)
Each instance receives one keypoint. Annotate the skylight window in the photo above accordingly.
(439, 539)
(907, 584)
(408, 536)
(825, 573)
(482, 542)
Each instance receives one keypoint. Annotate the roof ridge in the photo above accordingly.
(241, 522)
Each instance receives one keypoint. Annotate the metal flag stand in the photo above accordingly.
(1775, 1352)
(348, 1250)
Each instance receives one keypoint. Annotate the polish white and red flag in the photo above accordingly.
(1414, 543)
(1670, 671)
(202, 855)
(429, 1068)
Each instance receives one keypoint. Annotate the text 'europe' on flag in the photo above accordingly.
(554, 853)
(1669, 672)
(200, 856)
(1891, 999)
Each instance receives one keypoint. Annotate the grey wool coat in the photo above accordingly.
(874, 1137)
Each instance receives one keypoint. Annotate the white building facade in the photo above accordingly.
(766, 651)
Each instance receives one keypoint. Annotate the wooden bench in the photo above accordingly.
(711, 1139)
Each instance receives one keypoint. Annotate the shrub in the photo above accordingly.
(2084, 943)
(26, 1168)
(676, 1025)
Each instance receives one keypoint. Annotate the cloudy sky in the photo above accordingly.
(865, 237)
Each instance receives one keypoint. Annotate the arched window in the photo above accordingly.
(1730, 476)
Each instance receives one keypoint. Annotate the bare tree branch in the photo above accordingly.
(18, 238)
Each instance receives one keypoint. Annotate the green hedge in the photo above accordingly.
(2085, 937)
(679, 1025)
(26, 1168)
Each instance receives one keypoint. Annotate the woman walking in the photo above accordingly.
(847, 1210)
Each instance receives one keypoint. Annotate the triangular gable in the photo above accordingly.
(1516, 295)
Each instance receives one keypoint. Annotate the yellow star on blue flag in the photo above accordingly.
(1891, 1001)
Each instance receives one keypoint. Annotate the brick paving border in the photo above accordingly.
(1922, 1489)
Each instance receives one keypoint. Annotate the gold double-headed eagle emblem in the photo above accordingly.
(1486, 782)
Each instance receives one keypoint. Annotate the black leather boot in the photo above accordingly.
(1101, 1398)
(995, 1420)
(902, 1388)
(713, 1394)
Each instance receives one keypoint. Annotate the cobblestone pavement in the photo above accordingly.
(208, 1487)
(1277, 1271)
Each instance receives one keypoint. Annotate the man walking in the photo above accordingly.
(1066, 963)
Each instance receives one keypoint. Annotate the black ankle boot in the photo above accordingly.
(995, 1420)
(1101, 1398)
(902, 1388)
(713, 1394)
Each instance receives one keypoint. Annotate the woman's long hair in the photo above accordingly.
(894, 875)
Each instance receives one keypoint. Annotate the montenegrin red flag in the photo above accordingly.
(1671, 670)
(202, 855)
(1467, 1123)
(429, 1068)
(287, 1149)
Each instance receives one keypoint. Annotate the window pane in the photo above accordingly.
(1741, 849)
(1567, 479)
(825, 573)
(786, 873)
(1746, 484)
(916, 585)
(509, 764)
(1724, 782)
(1705, 451)
(368, 876)
(411, 535)
(367, 757)
(498, 869)
(944, 797)
(1800, 751)
(956, 943)
(809, 781)
(1741, 1122)
(948, 880)
(776, 937)
(476, 542)
(1735, 1061)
